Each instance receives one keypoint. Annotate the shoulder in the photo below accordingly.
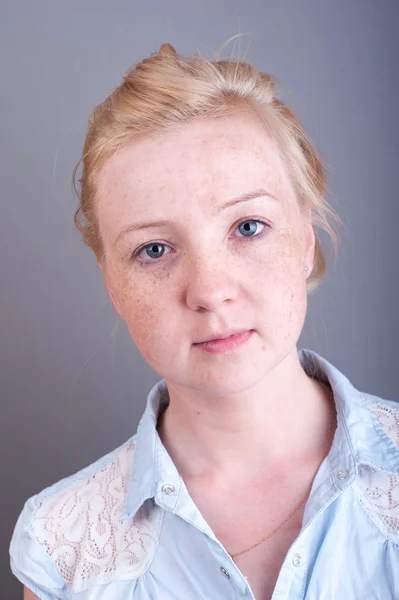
(378, 489)
(386, 412)
(76, 526)
(115, 464)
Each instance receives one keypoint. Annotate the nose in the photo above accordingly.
(210, 282)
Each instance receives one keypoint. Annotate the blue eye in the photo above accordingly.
(150, 253)
(248, 227)
(155, 250)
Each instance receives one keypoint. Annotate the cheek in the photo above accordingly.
(282, 289)
(282, 261)
(145, 311)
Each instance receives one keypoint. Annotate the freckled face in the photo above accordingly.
(207, 268)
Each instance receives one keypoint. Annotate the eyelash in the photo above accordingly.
(135, 255)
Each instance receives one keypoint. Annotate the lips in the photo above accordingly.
(225, 345)
(221, 336)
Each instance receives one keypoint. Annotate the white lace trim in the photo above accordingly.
(379, 492)
(388, 418)
(80, 529)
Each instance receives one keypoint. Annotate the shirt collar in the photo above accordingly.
(145, 472)
(359, 439)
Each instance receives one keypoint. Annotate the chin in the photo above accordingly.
(228, 377)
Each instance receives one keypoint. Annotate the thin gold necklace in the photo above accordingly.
(303, 499)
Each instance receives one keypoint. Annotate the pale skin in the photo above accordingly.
(253, 402)
(251, 415)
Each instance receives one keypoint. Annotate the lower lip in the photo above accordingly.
(227, 344)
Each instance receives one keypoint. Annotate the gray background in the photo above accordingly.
(73, 386)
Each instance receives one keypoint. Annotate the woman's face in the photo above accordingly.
(224, 247)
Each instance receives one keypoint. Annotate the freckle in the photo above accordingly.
(263, 347)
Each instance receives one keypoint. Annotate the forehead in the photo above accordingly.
(212, 152)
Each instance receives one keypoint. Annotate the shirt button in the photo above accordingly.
(225, 573)
(297, 560)
(168, 489)
(343, 474)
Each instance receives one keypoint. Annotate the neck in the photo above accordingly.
(285, 416)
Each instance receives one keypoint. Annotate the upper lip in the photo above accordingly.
(221, 335)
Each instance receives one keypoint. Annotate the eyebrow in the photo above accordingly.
(260, 193)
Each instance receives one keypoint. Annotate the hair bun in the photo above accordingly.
(167, 50)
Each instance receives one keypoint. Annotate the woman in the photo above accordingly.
(257, 470)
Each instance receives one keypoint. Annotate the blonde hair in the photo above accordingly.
(167, 90)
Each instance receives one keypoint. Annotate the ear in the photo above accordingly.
(110, 292)
(310, 245)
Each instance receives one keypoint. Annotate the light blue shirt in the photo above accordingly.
(126, 528)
